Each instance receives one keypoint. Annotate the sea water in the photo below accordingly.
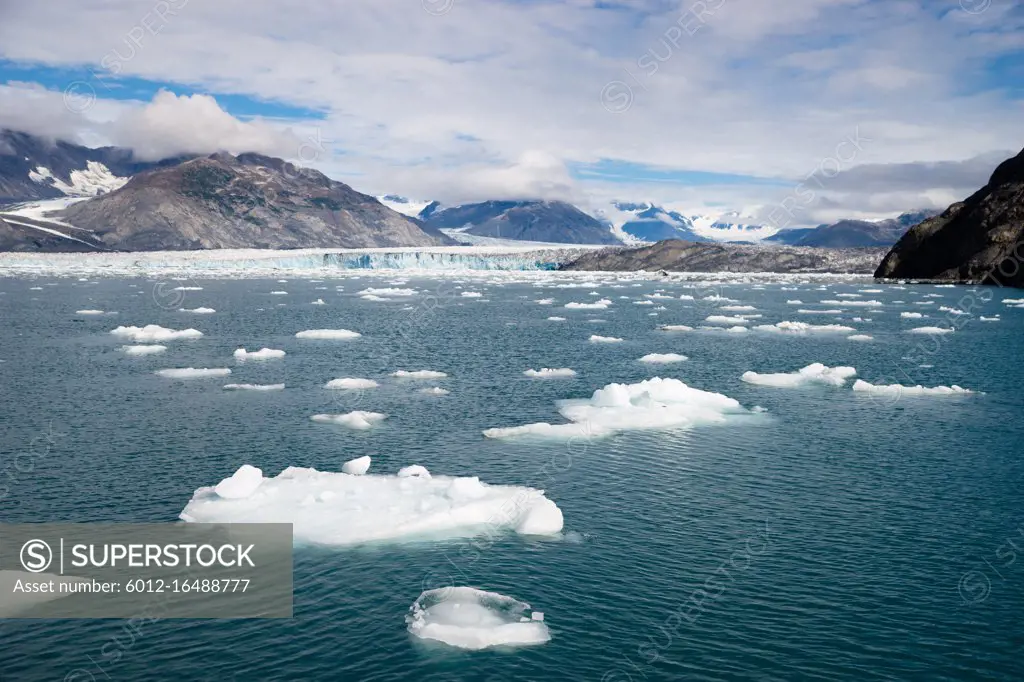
(824, 534)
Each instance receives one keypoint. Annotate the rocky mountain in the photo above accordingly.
(249, 201)
(682, 256)
(974, 240)
(648, 222)
(34, 168)
(531, 220)
(851, 233)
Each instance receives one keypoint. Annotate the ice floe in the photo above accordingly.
(144, 349)
(555, 318)
(89, 312)
(350, 383)
(435, 390)
(801, 328)
(815, 373)
(862, 386)
(468, 618)
(594, 338)
(470, 294)
(261, 354)
(331, 334)
(388, 291)
(544, 301)
(726, 320)
(662, 358)
(332, 508)
(240, 484)
(860, 337)
(254, 387)
(931, 330)
(357, 419)
(675, 328)
(193, 372)
(198, 311)
(911, 316)
(548, 373)
(652, 404)
(596, 305)
(419, 374)
(153, 332)
(357, 466)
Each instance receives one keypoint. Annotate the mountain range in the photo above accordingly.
(55, 195)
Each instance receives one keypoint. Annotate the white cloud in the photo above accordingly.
(499, 97)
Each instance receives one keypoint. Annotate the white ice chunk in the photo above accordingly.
(144, 349)
(193, 372)
(802, 328)
(357, 419)
(334, 334)
(89, 312)
(254, 387)
(468, 618)
(418, 471)
(435, 390)
(350, 383)
(261, 354)
(153, 332)
(555, 318)
(675, 328)
(815, 373)
(419, 374)
(911, 316)
(198, 311)
(860, 337)
(471, 294)
(662, 358)
(594, 338)
(357, 466)
(548, 373)
(596, 305)
(862, 386)
(240, 484)
(725, 319)
(931, 330)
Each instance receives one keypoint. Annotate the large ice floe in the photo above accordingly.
(468, 618)
(595, 338)
(550, 373)
(930, 330)
(596, 305)
(662, 358)
(154, 332)
(330, 508)
(815, 373)
(652, 404)
(803, 328)
(328, 334)
(357, 419)
(261, 354)
(896, 390)
(419, 374)
(351, 384)
(193, 372)
(254, 387)
(144, 349)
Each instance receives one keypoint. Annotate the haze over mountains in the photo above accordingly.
(55, 195)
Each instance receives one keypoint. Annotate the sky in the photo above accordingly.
(791, 113)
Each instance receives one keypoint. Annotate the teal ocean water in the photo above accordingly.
(836, 535)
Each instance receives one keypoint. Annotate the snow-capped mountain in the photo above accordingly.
(648, 222)
(407, 207)
(553, 222)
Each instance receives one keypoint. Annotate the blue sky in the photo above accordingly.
(584, 101)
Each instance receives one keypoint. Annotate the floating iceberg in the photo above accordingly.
(802, 328)
(862, 386)
(931, 330)
(357, 419)
(594, 338)
(662, 358)
(240, 484)
(143, 349)
(254, 387)
(357, 466)
(349, 383)
(815, 373)
(675, 328)
(547, 373)
(419, 374)
(725, 319)
(555, 318)
(332, 334)
(198, 311)
(596, 305)
(435, 390)
(468, 618)
(154, 332)
(544, 301)
(341, 509)
(388, 291)
(261, 354)
(652, 404)
(911, 316)
(89, 312)
(471, 294)
(860, 337)
(193, 372)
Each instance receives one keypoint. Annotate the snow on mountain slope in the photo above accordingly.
(648, 222)
(93, 180)
(407, 207)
